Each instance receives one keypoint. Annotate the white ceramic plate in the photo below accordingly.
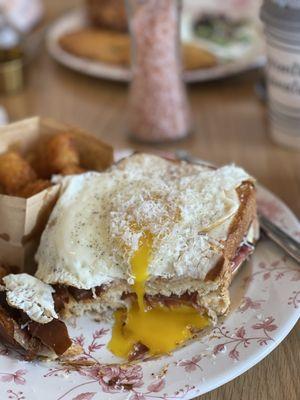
(252, 58)
(265, 307)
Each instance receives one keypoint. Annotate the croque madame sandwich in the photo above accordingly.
(29, 323)
(151, 242)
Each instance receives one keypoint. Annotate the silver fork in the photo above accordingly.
(274, 232)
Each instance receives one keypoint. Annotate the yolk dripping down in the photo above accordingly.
(161, 328)
(139, 267)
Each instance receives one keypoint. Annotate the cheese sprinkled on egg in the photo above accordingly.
(89, 239)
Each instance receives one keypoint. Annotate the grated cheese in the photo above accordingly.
(98, 221)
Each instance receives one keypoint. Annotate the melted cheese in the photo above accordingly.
(161, 329)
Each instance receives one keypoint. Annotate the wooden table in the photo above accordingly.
(230, 125)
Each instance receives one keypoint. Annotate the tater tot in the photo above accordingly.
(56, 154)
(60, 152)
(33, 188)
(15, 172)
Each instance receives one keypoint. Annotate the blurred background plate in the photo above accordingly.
(247, 57)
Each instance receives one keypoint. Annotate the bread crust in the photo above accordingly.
(238, 229)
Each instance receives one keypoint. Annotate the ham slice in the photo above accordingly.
(242, 254)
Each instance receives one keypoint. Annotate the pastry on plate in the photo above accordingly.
(101, 45)
(152, 243)
(195, 57)
(114, 48)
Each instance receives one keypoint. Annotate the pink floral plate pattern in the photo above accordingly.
(265, 307)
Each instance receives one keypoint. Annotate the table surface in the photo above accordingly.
(230, 125)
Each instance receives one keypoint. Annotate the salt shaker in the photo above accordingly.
(158, 105)
(281, 20)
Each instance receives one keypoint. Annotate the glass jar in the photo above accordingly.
(158, 105)
(11, 58)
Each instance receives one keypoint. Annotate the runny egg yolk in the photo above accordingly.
(161, 329)
(139, 267)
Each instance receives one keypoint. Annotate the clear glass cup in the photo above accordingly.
(158, 106)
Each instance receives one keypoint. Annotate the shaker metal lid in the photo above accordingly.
(281, 14)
